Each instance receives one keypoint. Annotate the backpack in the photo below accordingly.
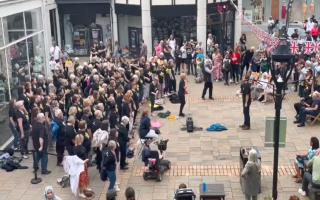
(54, 129)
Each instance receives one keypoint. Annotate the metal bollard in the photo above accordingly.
(36, 179)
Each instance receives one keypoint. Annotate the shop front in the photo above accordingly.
(22, 46)
(178, 20)
(221, 23)
(129, 28)
(84, 23)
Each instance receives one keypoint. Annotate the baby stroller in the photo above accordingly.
(156, 166)
(184, 194)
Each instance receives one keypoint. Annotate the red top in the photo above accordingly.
(315, 32)
(236, 58)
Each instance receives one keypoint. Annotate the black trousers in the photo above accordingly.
(207, 85)
(246, 114)
(59, 150)
(178, 65)
(24, 143)
(226, 77)
(123, 154)
(152, 101)
(182, 103)
(244, 66)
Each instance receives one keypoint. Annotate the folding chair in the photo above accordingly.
(313, 118)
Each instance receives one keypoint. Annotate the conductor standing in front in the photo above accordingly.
(246, 102)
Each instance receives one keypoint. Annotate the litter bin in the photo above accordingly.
(244, 153)
(269, 132)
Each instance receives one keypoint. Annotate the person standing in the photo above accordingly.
(153, 92)
(251, 175)
(246, 101)
(144, 50)
(226, 67)
(70, 135)
(182, 93)
(40, 142)
(55, 52)
(217, 62)
(23, 126)
(58, 129)
(13, 124)
(207, 75)
(235, 62)
(123, 141)
(109, 163)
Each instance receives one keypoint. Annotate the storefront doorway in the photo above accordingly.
(53, 25)
(135, 37)
(220, 23)
(183, 28)
(179, 20)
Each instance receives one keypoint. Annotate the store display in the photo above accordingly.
(80, 40)
(183, 28)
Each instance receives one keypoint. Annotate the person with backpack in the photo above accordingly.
(58, 132)
(108, 164)
(226, 67)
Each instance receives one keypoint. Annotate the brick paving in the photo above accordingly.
(194, 156)
(217, 170)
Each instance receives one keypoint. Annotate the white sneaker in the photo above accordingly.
(116, 188)
(303, 193)
(25, 156)
(83, 196)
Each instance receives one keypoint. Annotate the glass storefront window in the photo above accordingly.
(1, 34)
(36, 54)
(14, 27)
(4, 89)
(17, 66)
(33, 20)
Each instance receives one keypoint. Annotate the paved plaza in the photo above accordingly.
(195, 156)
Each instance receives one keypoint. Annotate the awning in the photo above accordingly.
(81, 1)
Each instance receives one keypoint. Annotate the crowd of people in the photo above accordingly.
(106, 94)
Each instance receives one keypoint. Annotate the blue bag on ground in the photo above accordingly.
(217, 127)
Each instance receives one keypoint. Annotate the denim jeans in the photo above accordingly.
(307, 179)
(43, 157)
(15, 134)
(112, 178)
(303, 113)
(246, 113)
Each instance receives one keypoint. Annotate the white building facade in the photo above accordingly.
(25, 37)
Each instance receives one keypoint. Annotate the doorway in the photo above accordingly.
(53, 25)
(135, 37)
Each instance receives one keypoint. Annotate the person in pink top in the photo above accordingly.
(235, 63)
(159, 48)
(217, 68)
(315, 32)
